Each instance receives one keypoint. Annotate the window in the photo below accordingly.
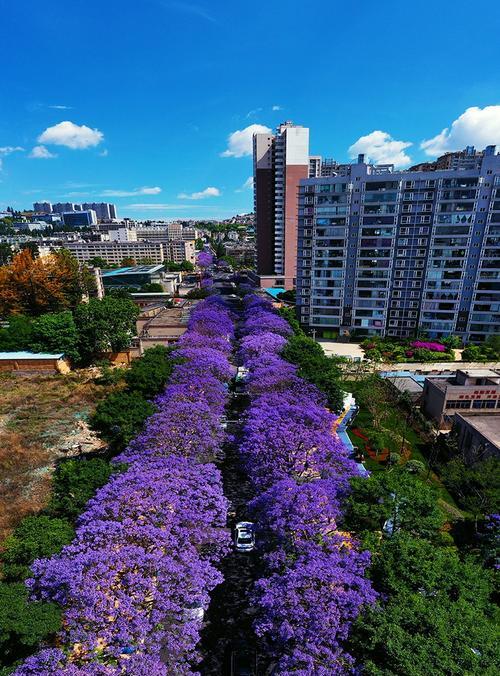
(455, 403)
(483, 403)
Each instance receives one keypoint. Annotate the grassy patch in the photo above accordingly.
(42, 418)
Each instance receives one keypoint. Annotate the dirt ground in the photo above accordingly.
(42, 419)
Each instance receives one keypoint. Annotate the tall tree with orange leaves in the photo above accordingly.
(34, 286)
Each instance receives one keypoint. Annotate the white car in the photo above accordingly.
(193, 612)
(244, 536)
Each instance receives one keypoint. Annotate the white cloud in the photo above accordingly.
(41, 153)
(476, 126)
(71, 135)
(152, 206)
(247, 185)
(131, 193)
(7, 150)
(239, 143)
(104, 153)
(274, 108)
(253, 112)
(381, 148)
(208, 192)
(61, 107)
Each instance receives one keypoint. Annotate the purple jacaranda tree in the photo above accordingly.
(148, 543)
(204, 259)
(258, 344)
(314, 584)
(193, 339)
(209, 360)
(308, 604)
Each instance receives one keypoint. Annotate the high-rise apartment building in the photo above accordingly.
(393, 252)
(469, 158)
(61, 207)
(281, 160)
(42, 207)
(103, 210)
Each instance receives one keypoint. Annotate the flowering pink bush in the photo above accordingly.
(433, 347)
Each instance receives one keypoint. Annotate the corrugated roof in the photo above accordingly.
(4, 356)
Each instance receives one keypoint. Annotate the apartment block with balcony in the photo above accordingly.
(116, 251)
(393, 252)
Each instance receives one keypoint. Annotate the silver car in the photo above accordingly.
(244, 536)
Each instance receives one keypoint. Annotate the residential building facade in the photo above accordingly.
(104, 210)
(42, 207)
(281, 160)
(115, 252)
(393, 252)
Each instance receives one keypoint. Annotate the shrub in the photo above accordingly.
(149, 374)
(23, 623)
(75, 482)
(120, 416)
(34, 538)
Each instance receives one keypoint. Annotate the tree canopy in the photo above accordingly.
(34, 286)
(105, 325)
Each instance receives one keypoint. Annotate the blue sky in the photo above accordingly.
(135, 102)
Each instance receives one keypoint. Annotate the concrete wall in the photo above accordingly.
(35, 365)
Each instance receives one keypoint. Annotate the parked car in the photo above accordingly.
(193, 611)
(244, 536)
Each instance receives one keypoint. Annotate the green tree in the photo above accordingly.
(105, 325)
(79, 280)
(33, 247)
(17, 335)
(120, 417)
(199, 244)
(288, 313)
(476, 486)
(149, 374)
(152, 287)
(55, 332)
(98, 262)
(75, 481)
(487, 351)
(36, 537)
(316, 367)
(395, 496)
(5, 253)
(288, 296)
(434, 615)
(186, 266)
(197, 294)
(24, 624)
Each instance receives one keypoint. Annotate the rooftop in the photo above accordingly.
(480, 373)
(135, 270)
(487, 425)
(4, 356)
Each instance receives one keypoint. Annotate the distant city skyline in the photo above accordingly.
(162, 124)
